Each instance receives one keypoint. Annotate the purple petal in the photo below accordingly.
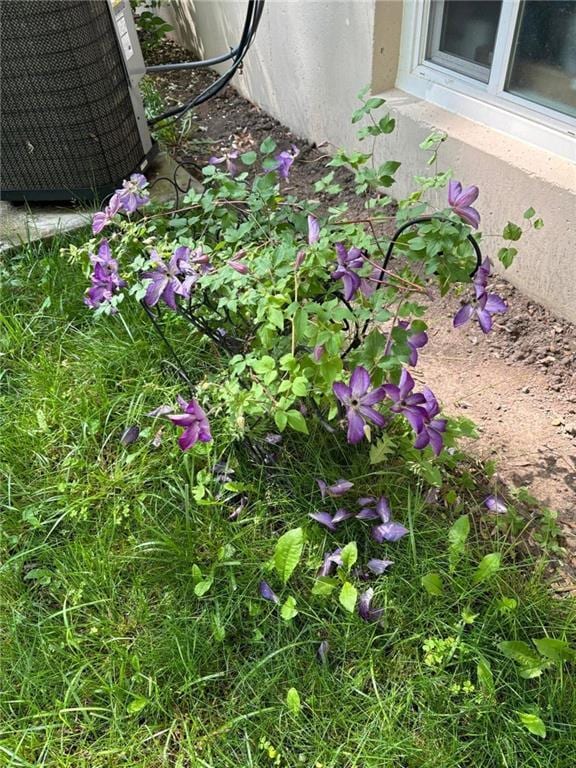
(267, 593)
(467, 196)
(495, 504)
(376, 396)
(189, 437)
(418, 340)
(313, 230)
(323, 487)
(239, 266)
(485, 320)
(495, 304)
(378, 566)
(383, 509)
(339, 488)
(392, 391)
(372, 415)
(355, 427)
(368, 513)
(130, 435)
(342, 391)
(351, 283)
(469, 215)
(406, 383)
(389, 532)
(463, 315)
(364, 604)
(454, 191)
(359, 382)
(154, 290)
(415, 417)
(341, 515)
(323, 650)
(365, 501)
(324, 518)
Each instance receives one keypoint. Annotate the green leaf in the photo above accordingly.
(203, 586)
(484, 676)
(288, 552)
(268, 146)
(300, 386)
(297, 421)
(348, 596)
(533, 724)
(556, 650)
(249, 158)
(136, 705)
(512, 232)
(432, 583)
(374, 103)
(387, 124)
(349, 555)
(324, 585)
(276, 317)
(382, 449)
(457, 536)
(538, 223)
(280, 420)
(506, 256)
(529, 212)
(293, 701)
(289, 610)
(488, 566)
(522, 654)
(41, 576)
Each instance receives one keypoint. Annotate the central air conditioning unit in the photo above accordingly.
(72, 118)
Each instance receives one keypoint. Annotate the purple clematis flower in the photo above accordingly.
(460, 200)
(331, 521)
(284, 161)
(358, 402)
(365, 609)
(348, 262)
(267, 593)
(331, 561)
(433, 429)
(495, 504)
(388, 530)
(238, 266)
(168, 281)
(195, 423)
(410, 404)
(484, 305)
(133, 194)
(377, 567)
(105, 280)
(228, 157)
(339, 488)
(415, 340)
(101, 219)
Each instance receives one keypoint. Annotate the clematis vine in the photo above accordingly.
(484, 304)
(460, 200)
(359, 399)
(284, 161)
(194, 421)
(173, 279)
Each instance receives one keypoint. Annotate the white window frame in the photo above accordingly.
(486, 103)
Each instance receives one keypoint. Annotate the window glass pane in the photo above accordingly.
(543, 62)
(462, 35)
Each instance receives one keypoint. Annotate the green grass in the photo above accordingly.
(108, 657)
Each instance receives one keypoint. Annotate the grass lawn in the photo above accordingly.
(109, 658)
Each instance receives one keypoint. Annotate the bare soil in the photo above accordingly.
(518, 384)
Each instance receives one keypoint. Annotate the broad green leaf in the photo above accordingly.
(529, 212)
(533, 724)
(488, 566)
(538, 223)
(432, 583)
(506, 256)
(288, 552)
(293, 701)
(288, 609)
(268, 146)
(136, 705)
(512, 231)
(374, 103)
(203, 586)
(249, 158)
(348, 596)
(522, 654)
(276, 318)
(349, 555)
(324, 585)
(556, 650)
(300, 386)
(280, 420)
(297, 421)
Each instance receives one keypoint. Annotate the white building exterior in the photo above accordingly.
(498, 77)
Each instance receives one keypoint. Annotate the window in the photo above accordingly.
(507, 63)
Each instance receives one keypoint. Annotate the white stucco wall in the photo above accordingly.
(309, 60)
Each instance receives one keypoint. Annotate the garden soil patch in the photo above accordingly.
(518, 384)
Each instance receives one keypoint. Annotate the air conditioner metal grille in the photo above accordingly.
(68, 122)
